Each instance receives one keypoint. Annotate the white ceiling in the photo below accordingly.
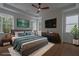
(59, 5)
(28, 8)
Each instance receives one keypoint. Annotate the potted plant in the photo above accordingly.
(75, 33)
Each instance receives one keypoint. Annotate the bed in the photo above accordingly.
(26, 45)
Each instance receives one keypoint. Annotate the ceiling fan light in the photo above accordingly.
(39, 9)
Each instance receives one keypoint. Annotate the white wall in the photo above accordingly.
(67, 37)
(50, 15)
(45, 16)
(16, 15)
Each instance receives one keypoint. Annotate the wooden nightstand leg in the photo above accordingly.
(1, 43)
(11, 42)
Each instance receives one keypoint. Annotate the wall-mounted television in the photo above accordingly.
(50, 23)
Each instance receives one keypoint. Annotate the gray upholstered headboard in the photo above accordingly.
(16, 30)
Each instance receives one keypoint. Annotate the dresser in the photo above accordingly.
(52, 37)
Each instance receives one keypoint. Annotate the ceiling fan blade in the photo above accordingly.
(45, 8)
(34, 6)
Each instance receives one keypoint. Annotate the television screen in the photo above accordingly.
(51, 23)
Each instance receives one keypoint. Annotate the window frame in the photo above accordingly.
(71, 23)
(6, 16)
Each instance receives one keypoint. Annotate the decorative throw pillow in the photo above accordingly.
(28, 33)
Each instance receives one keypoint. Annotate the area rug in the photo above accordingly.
(38, 52)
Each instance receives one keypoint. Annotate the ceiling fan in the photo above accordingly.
(39, 7)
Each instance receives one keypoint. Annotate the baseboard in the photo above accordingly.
(68, 43)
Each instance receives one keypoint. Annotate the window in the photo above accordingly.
(6, 23)
(70, 22)
(36, 24)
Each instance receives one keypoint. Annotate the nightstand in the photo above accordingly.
(7, 38)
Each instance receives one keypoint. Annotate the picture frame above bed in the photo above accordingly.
(23, 23)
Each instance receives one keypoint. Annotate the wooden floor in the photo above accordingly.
(57, 50)
(4, 50)
(63, 50)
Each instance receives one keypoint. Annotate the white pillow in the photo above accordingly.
(16, 33)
